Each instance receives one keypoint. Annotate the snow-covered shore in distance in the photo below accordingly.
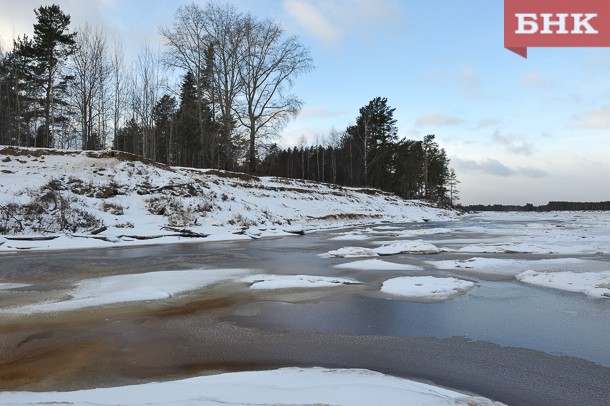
(426, 288)
(285, 386)
(131, 201)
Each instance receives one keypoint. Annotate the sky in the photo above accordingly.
(516, 130)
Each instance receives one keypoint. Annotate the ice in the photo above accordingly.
(286, 386)
(426, 288)
(352, 252)
(596, 284)
(407, 247)
(9, 286)
(378, 265)
(268, 282)
(132, 288)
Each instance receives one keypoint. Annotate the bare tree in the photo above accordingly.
(224, 28)
(186, 45)
(91, 72)
(118, 77)
(269, 64)
(148, 82)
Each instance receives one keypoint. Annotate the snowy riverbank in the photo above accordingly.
(57, 200)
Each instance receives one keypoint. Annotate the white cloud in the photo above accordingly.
(533, 79)
(594, 119)
(332, 21)
(438, 120)
(315, 112)
(311, 19)
(491, 166)
(513, 144)
(471, 81)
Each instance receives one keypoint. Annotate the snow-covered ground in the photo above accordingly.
(286, 386)
(119, 200)
(104, 199)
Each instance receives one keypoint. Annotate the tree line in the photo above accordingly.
(75, 89)
(550, 206)
(370, 153)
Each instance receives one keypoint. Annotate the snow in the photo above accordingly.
(378, 265)
(131, 288)
(407, 247)
(596, 284)
(285, 386)
(426, 288)
(268, 282)
(136, 202)
(351, 252)
(9, 286)
(512, 267)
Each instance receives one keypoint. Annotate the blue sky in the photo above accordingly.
(516, 130)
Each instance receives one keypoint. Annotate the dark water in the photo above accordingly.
(499, 319)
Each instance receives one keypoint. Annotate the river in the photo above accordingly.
(512, 342)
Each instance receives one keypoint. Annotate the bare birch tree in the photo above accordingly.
(91, 71)
(269, 64)
(148, 82)
(186, 45)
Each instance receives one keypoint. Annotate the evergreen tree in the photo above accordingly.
(164, 129)
(375, 136)
(128, 138)
(51, 46)
(187, 124)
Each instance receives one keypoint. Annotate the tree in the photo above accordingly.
(187, 123)
(91, 72)
(164, 128)
(52, 45)
(19, 107)
(269, 64)
(186, 46)
(435, 169)
(452, 182)
(375, 134)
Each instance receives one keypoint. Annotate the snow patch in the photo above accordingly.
(131, 288)
(352, 252)
(426, 288)
(596, 284)
(268, 282)
(286, 386)
(407, 247)
(378, 265)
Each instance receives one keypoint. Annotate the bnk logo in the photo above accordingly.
(556, 23)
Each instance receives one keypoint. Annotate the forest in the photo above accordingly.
(216, 95)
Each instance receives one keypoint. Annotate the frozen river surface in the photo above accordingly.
(512, 307)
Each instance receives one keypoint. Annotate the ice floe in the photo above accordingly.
(595, 284)
(426, 288)
(351, 252)
(378, 265)
(266, 281)
(131, 288)
(407, 247)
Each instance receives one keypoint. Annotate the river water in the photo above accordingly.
(509, 341)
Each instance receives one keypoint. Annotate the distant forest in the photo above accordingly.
(234, 72)
(550, 206)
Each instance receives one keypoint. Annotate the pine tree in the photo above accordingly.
(375, 135)
(52, 45)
